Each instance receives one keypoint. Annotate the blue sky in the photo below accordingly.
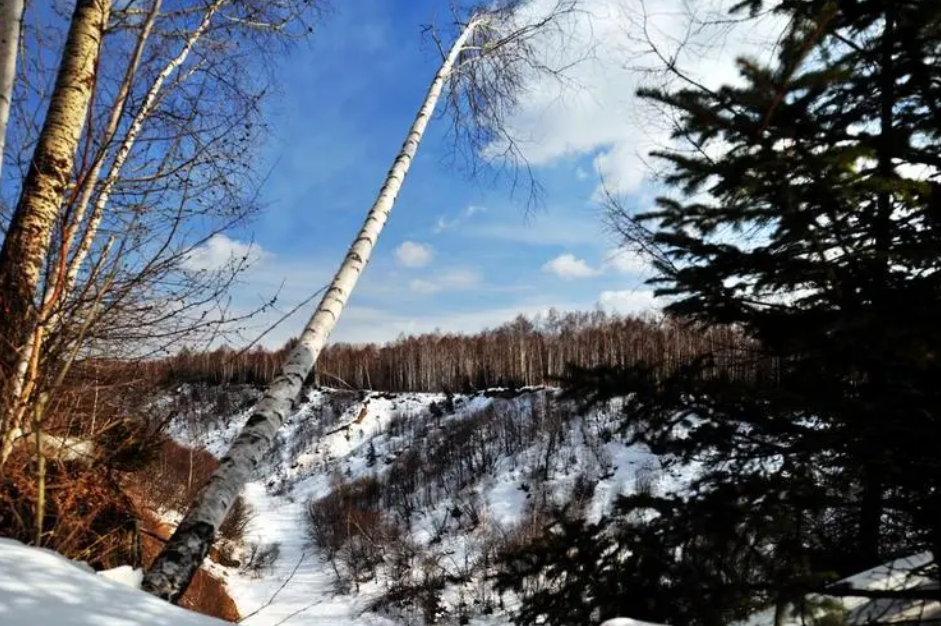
(458, 254)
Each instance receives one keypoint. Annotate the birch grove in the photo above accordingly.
(169, 140)
(63, 282)
(481, 66)
(144, 150)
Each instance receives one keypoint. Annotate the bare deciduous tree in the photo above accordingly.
(481, 68)
(125, 166)
(164, 164)
(28, 237)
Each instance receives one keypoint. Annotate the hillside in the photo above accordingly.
(399, 503)
(380, 509)
(393, 509)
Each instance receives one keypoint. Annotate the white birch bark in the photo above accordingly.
(11, 16)
(127, 144)
(174, 567)
(62, 285)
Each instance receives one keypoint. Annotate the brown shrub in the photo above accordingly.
(351, 509)
(171, 479)
(87, 515)
(236, 521)
(348, 525)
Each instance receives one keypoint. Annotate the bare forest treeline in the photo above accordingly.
(526, 351)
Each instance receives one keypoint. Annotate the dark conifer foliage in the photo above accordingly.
(804, 213)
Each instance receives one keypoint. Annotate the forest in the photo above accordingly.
(759, 447)
(519, 353)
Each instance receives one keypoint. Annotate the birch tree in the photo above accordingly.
(11, 16)
(28, 237)
(491, 53)
(175, 117)
(145, 155)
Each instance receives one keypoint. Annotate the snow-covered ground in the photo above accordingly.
(299, 589)
(314, 450)
(338, 437)
(41, 588)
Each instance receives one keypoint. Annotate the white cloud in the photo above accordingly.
(443, 224)
(411, 254)
(454, 279)
(628, 301)
(362, 324)
(459, 278)
(219, 251)
(567, 267)
(596, 111)
(551, 228)
(625, 261)
(419, 285)
(618, 260)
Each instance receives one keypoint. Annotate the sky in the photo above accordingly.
(459, 253)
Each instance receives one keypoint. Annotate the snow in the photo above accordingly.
(900, 574)
(125, 575)
(326, 439)
(316, 446)
(39, 587)
(300, 589)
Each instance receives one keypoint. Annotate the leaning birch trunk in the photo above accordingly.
(28, 236)
(11, 16)
(175, 566)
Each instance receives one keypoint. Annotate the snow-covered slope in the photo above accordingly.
(498, 457)
(465, 473)
(39, 588)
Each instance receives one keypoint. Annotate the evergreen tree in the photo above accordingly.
(806, 215)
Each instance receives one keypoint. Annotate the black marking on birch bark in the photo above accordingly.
(255, 419)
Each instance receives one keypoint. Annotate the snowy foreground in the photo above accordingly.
(39, 587)
(327, 439)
